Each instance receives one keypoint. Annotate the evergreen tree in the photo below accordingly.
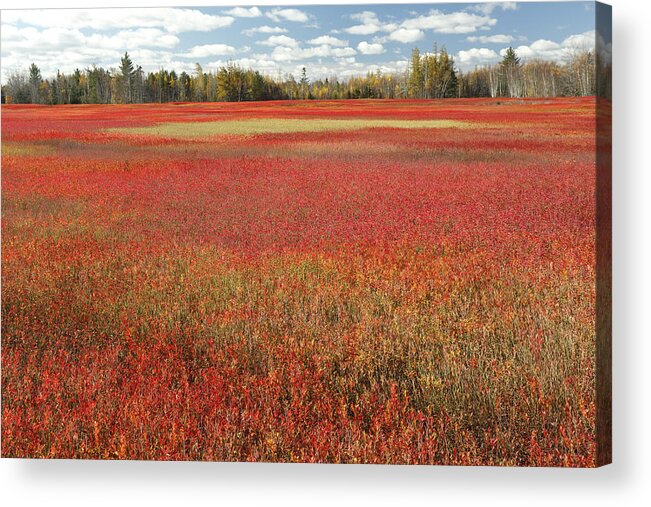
(304, 84)
(74, 87)
(35, 80)
(185, 89)
(511, 73)
(127, 75)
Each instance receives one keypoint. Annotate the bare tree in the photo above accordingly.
(581, 69)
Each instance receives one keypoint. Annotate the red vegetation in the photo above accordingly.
(376, 296)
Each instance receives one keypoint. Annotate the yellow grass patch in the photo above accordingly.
(255, 126)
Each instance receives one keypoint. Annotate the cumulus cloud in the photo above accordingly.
(476, 56)
(370, 49)
(211, 50)
(369, 25)
(78, 38)
(413, 29)
(68, 39)
(243, 12)
(24, 40)
(279, 40)
(365, 17)
(338, 52)
(327, 39)
(491, 39)
(343, 68)
(294, 15)
(170, 19)
(487, 8)
(264, 29)
(288, 49)
(289, 54)
(582, 42)
(556, 51)
(455, 22)
(50, 60)
(368, 29)
(357, 68)
(544, 49)
(406, 35)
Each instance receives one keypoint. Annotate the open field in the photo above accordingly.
(253, 126)
(361, 281)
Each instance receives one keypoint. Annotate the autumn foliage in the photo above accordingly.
(368, 295)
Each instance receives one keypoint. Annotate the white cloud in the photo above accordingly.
(413, 28)
(342, 68)
(142, 37)
(542, 45)
(327, 39)
(366, 29)
(259, 64)
(79, 38)
(365, 17)
(370, 24)
(294, 15)
(355, 69)
(406, 35)
(279, 40)
(50, 60)
(211, 50)
(491, 39)
(604, 49)
(370, 49)
(243, 12)
(264, 29)
(170, 19)
(338, 52)
(28, 39)
(581, 42)
(290, 54)
(32, 38)
(286, 54)
(487, 8)
(455, 22)
(476, 56)
(556, 51)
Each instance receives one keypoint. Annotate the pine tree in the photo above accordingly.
(127, 75)
(511, 72)
(34, 83)
(304, 84)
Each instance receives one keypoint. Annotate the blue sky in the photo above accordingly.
(337, 39)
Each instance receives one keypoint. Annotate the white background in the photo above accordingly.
(626, 482)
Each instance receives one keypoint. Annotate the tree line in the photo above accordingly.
(428, 75)
(583, 74)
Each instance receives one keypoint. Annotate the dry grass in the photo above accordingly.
(250, 127)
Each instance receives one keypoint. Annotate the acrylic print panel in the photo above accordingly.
(341, 234)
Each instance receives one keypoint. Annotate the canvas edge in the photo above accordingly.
(603, 303)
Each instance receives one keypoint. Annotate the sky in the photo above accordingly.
(342, 40)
